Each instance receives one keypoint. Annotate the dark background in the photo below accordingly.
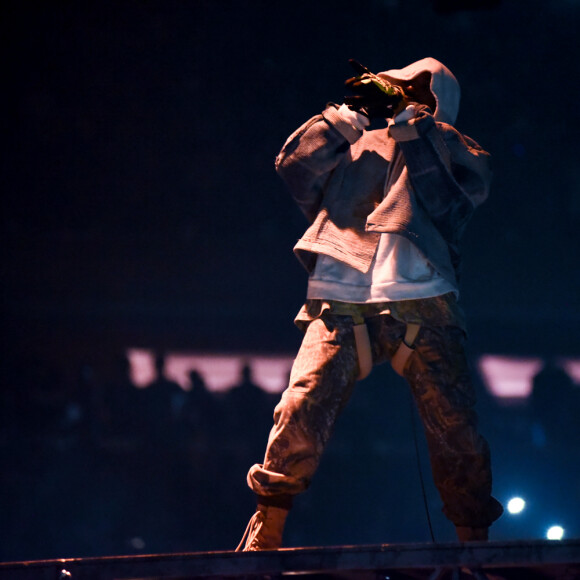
(140, 208)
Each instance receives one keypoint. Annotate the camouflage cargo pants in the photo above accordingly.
(321, 382)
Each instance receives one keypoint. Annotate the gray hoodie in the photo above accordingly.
(444, 86)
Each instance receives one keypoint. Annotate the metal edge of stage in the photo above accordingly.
(537, 558)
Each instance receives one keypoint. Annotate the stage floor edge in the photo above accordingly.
(533, 559)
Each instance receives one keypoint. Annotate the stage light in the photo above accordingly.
(507, 376)
(555, 533)
(137, 543)
(516, 505)
(219, 371)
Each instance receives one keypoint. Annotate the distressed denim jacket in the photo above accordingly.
(421, 179)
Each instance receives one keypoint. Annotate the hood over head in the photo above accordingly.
(443, 85)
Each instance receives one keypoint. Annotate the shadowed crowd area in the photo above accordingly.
(109, 469)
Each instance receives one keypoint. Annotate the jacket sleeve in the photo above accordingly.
(450, 173)
(310, 155)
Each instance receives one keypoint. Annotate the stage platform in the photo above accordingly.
(518, 560)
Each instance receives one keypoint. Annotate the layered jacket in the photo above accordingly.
(421, 179)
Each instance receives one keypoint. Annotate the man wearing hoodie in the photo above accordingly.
(388, 185)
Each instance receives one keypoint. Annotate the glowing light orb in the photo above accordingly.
(555, 533)
(516, 505)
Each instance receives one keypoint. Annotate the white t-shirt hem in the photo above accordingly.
(388, 292)
(399, 271)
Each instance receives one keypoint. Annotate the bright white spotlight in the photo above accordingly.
(516, 505)
(555, 533)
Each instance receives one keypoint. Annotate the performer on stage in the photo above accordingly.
(388, 186)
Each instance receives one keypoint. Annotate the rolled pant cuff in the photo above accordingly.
(477, 519)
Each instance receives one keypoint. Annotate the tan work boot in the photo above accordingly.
(264, 530)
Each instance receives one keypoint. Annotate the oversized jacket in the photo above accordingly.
(421, 179)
